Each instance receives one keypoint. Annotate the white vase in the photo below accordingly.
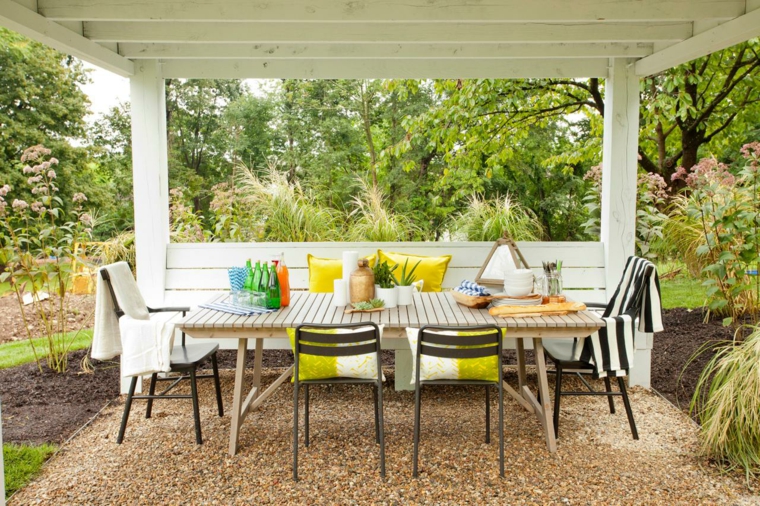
(405, 295)
(389, 296)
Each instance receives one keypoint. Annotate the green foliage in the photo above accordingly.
(371, 304)
(37, 250)
(726, 207)
(727, 402)
(384, 274)
(372, 221)
(22, 352)
(407, 278)
(283, 211)
(489, 220)
(22, 463)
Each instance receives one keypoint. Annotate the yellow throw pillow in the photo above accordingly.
(431, 270)
(323, 271)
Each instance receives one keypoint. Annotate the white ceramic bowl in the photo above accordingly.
(518, 291)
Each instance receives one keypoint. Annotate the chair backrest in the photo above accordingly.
(432, 342)
(629, 294)
(310, 339)
(125, 283)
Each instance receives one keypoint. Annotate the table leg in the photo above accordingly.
(404, 370)
(521, 374)
(546, 412)
(237, 401)
(257, 366)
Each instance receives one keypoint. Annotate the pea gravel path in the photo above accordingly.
(597, 461)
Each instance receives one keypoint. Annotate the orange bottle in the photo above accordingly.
(283, 278)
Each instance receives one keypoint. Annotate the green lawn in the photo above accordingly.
(20, 352)
(682, 291)
(22, 463)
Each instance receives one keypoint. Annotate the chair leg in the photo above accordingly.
(295, 432)
(627, 404)
(379, 405)
(377, 421)
(488, 415)
(127, 407)
(416, 429)
(306, 406)
(217, 385)
(501, 430)
(151, 392)
(196, 411)
(609, 397)
(557, 396)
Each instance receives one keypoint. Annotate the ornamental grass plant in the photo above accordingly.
(727, 404)
(489, 220)
(372, 220)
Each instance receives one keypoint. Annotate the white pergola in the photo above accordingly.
(149, 41)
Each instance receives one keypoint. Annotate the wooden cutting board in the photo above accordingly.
(531, 315)
(552, 307)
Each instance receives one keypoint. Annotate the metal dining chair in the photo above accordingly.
(444, 342)
(185, 360)
(349, 340)
(627, 300)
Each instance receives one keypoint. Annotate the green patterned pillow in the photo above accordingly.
(437, 368)
(315, 367)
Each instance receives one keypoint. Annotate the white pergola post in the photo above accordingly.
(619, 174)
(151, 183)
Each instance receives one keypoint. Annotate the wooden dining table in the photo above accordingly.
(428, 308)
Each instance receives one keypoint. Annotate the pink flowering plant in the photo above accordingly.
(37, 244)
(725, 206)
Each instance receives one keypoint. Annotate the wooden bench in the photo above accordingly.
(196, 272)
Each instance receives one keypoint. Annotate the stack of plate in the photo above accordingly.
(501, 299)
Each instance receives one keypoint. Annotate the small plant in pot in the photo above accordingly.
(404, 283)
(385, 287)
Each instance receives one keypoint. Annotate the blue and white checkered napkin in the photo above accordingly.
(237, 277)
(470, 288)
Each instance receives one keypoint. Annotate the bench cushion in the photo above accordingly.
(323, 271)
(431, 270)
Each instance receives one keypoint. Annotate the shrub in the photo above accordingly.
(727, 402)
(38, 250)
(489, 220)
(726, 208)
(184, 224)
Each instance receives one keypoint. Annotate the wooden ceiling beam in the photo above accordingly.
(384, 10)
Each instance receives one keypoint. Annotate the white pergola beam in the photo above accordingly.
(237, 32)
(379, 10)
(30, 24)
(381, 50)
(384, 68)
(722, 36)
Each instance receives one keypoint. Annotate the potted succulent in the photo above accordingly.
(405, 283)
(386, 289)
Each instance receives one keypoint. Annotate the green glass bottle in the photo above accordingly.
(264, 281)
(256, 276)
(273, 290)
(249, 285)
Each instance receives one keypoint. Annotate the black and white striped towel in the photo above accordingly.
(610, 349)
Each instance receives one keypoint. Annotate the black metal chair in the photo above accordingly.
(562, 352)
(430, 343)
(310, 341)
(184, 360)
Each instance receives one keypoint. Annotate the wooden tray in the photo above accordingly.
(472, 301)
(543, 309)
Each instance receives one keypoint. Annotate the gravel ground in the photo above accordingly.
(597, 461)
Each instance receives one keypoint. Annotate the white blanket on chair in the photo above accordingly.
(147, 344)
(106, 340)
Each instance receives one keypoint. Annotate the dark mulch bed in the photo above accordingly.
(41, 407)
(79, 314)
(45, 407)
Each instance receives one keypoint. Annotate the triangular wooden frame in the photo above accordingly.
(517, 258)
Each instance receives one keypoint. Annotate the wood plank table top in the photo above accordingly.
(429, 308)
